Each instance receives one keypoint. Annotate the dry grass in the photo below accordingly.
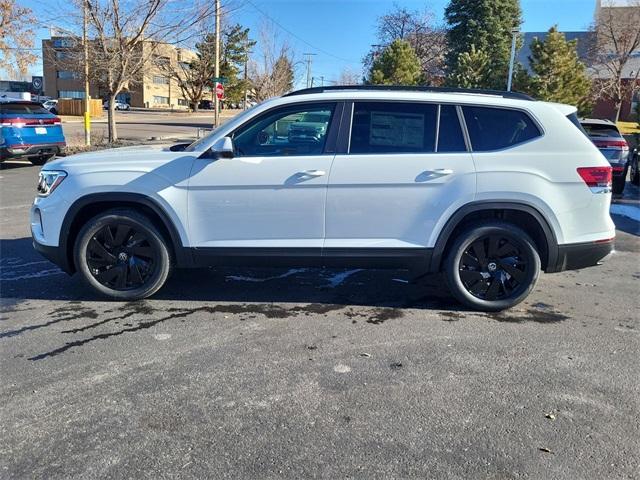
(628, 128)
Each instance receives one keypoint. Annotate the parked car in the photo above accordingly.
(490, 188)
(607, 137)
(52, 106)
(28, 130)
(205, 105)
(118, 105)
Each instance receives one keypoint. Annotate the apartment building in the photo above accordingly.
(154, 87)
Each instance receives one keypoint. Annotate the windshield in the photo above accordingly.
(199, 144)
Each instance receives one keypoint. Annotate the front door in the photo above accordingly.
(407, 164)
(272, 193)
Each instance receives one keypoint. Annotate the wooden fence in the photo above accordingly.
(75, 106)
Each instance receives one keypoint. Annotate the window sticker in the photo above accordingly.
(395, 129)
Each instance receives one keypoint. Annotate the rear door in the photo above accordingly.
(406, 164)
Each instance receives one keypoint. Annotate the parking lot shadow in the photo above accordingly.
(24, 275)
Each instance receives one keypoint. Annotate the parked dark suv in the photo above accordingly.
(606, 136)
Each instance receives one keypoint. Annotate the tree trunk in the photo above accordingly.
(113, 134)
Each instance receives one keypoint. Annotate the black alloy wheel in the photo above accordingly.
(121, 257)
(493, 267)
(121, 254)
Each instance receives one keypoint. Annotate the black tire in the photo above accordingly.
(41, 160)
(54, 111)
(481, 264)
(617, 186)
(122, 255)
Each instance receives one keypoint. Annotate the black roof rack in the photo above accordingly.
(400, 88)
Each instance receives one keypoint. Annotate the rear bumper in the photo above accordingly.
(574, 256)
(15, 151)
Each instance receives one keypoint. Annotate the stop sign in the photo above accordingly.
(219, 91)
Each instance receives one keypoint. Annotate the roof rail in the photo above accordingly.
(401, 88)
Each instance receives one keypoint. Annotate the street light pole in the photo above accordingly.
(87, 98)
(216, 101)
(514, 35)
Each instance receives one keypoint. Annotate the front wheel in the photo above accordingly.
(492, 266)
(121, 254)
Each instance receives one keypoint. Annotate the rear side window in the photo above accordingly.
(393, 127)
(22, 108)
(450, 138)
(601, 130)
(497, 128)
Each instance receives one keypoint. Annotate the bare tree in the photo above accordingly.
(127, 36)
(272, 73)
(349, 77)
(616, 38)
(421, 31)
(16, 38)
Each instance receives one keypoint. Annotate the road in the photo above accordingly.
(143, 125)
(308, 373)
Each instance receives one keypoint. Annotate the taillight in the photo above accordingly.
(56, 121)
(621, 144)
(598, 179)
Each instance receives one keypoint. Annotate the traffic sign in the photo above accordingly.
(219, 91)
(222, 80)
(36, 83)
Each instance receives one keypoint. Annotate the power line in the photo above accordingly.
(298, 37)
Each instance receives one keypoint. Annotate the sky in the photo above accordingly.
(340, 32)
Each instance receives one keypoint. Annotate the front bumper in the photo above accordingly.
(575, 256)
(56, 255)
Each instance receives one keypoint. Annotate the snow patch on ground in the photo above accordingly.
(240, 278)
(338, 278)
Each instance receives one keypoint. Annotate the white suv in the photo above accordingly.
(488, 187)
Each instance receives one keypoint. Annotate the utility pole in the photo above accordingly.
(246, 90)
(308, 60)
(216, 101)
(322, 80)
(87, 98)
(514, 35)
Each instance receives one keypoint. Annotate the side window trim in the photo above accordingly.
(335, 103)
(465, 131)
(437, 139)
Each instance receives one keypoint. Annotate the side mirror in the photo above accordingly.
(223, 147)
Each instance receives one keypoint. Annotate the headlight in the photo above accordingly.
(49, 181)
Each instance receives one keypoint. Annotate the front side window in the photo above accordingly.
(298, 130)
(497, 128)
(393, 127)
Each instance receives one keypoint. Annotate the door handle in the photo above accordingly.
(443, 171)
(313, 173)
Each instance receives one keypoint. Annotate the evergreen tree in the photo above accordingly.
(472, 69)
(235, 51)
(398, 64)
(487, 25)
(557, 73)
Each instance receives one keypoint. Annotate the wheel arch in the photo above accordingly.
(530, 219)
(93, 204)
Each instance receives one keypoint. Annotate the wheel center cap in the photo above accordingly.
(492, 267)
(123, 257)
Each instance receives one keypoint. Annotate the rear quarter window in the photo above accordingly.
(498, 128)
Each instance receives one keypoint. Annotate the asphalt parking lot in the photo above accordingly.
(307, 373)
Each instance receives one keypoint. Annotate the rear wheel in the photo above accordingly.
(492, 266)
(121, 254)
